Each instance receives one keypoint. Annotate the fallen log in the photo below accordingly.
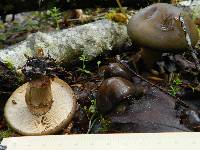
(90, 40)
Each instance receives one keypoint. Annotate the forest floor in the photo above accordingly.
(174, 78)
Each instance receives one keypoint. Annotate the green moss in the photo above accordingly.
(6, 133)
(9, 64)
(17, 77)
(2, 26)
(3, 37)
(198, 31)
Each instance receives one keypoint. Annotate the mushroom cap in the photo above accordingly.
(117, 70)
(158, 27)
(24, 122)
(114, 90)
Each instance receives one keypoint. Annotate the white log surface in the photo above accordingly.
(90, 39)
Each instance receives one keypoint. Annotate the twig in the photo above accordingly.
(189, 43)
(121, 9)
(91, 122)
(97, 17)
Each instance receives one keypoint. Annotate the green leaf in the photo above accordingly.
(178, 81)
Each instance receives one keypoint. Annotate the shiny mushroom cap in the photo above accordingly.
(114, 90)
(158, 27)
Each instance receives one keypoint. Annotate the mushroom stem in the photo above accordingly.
(38, 95)
(150, 56)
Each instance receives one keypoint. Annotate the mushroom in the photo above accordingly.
(114, 90)
(158, 29)
(117, 70)
(45, 104)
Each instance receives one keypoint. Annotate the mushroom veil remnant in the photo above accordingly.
(158, 29)
(45, 104)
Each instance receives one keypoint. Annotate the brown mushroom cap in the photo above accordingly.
(24, 122)
(117, 70)
(114, 90)
(158, 27)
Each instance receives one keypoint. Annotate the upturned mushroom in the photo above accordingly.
(45, 104)
(158, 29)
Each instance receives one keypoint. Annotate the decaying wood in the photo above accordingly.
(66, 45)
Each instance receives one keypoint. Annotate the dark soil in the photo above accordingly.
(170, 102)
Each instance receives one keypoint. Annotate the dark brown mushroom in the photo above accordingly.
(117, 70)
(114, 90)
(158, 29)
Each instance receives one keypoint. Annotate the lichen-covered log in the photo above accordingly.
(90, 39)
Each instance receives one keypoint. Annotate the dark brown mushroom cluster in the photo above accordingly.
(157, 29)
(133, 105)
(117, 88)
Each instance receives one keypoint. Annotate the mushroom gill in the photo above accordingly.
(43, 105)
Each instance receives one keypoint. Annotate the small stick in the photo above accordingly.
(189, 43)
(97, 17)
(91, 123)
